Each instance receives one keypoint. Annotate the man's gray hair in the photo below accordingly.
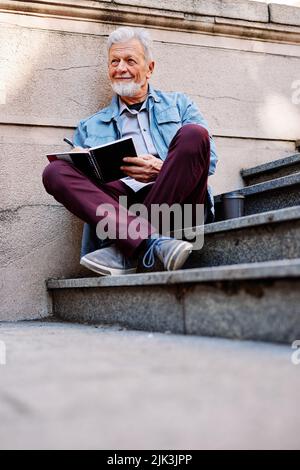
(126, 33)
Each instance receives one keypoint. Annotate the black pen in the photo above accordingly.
(68, 141)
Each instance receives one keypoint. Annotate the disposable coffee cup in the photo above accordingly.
(233, 205)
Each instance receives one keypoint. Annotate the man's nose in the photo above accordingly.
(122, 66)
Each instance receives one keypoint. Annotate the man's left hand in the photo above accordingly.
(144, 168)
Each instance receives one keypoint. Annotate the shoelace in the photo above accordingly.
(149, 256)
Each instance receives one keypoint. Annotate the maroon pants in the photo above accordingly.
(182, 179)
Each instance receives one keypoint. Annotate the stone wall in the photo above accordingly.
(238, 60)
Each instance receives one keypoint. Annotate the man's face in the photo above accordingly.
(127, 68)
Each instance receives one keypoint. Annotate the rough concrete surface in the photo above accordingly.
(241, 9)
(35, 242)
(285, 14)
(79, 387)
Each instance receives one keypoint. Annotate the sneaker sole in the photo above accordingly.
(176, 260)
(104, 270)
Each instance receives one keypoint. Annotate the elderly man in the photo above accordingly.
(175, 156)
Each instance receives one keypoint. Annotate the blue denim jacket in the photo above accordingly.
(168, 112)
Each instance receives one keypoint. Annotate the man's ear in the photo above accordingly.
(151, 66)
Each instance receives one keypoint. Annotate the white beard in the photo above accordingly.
(126, 89)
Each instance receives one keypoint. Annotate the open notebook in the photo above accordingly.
(102, 163)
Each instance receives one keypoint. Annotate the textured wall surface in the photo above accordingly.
(53, 73)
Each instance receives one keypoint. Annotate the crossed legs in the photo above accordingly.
(182, 179)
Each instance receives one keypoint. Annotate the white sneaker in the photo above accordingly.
(172, 253)
(109, 262)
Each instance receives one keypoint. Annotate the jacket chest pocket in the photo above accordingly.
(169, 122)
(168, 115)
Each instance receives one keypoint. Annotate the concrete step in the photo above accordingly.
(258, 301)
(269, 171)
(272, 235)
(70, 386)
(266, 196)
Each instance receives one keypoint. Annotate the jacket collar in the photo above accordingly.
(112, 111)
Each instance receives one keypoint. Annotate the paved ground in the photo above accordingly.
(78, 386)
